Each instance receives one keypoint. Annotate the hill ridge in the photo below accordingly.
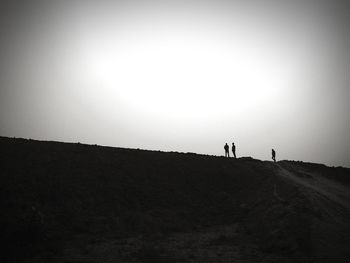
(70, 202)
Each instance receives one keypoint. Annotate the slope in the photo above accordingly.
(65, 202)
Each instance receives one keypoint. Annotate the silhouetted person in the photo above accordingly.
(234, 150)
(273, 155)
(227, 150)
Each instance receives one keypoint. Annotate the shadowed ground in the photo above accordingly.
(84, 203)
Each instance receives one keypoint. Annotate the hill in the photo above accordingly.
(66, 202)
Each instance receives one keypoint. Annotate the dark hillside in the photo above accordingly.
(64, 202)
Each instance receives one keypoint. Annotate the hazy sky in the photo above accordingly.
(180, 75)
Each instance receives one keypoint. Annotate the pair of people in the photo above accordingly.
(227, 150)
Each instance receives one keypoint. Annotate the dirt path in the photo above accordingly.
(329, 213)
(309, 182)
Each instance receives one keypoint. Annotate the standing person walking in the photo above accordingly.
(227, 152)
(234, 150)
(273, 155)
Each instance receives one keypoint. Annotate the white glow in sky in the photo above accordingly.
(185, 75)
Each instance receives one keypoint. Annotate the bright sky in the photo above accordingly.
(180, 76)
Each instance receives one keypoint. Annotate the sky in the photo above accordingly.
(184, 76)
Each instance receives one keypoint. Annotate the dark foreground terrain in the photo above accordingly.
(78, 203)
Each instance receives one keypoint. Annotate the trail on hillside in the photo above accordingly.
(330, 211)
(318, 184)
